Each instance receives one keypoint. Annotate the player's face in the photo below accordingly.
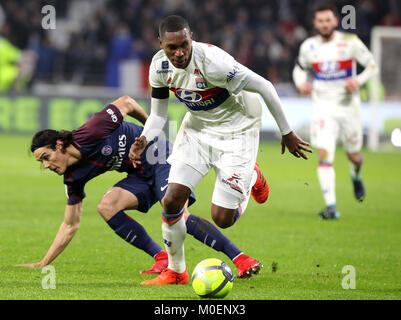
(54, 160)
(177, 47)
(325, 22)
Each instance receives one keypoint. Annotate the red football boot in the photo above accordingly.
(247, 266)
(260, 190)
(168, 276)
(161, 262)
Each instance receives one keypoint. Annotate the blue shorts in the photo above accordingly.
(150, 190)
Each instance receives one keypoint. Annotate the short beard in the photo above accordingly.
(327, 36)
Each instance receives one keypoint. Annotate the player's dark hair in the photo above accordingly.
(324, 7)
(49, 137)
(172, 23)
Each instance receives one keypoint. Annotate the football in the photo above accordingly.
(212, 278)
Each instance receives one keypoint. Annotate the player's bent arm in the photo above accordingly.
(299, 76)
(129, 106)
(158, 114)
(265, 88)
(66, 232)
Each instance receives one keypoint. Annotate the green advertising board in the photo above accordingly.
(28, 114)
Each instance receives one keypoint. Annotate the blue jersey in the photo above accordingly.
(104, 142)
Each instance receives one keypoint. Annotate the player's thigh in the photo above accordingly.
(190, 148)
(351, 134)
(234, 170)
(115, 200)
(182, 180)
(233, 179)
(324, 133)
(142, 189)
(185, 174)
(161, 183)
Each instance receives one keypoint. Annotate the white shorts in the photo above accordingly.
(337, 123)
(232, 158)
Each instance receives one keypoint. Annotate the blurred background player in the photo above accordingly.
(220, 131)
(331, 56)
(100, 145)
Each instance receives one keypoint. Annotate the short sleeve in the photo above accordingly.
(223, 71)
(99, 126)
(75, 193)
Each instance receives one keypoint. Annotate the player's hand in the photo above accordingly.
(136, 150)
(295, 145)
(32, 265)
(351, 84)
(305, 88)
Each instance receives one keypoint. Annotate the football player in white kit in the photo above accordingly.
(331, 56)
(220, 131)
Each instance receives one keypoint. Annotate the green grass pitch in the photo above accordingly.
(303, 256)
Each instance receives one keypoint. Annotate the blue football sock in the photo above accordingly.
(208, 234)
(133, 232)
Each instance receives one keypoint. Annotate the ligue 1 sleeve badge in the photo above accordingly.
(107, 150)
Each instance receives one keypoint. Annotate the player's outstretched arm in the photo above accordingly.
(64, 235)
(290, 139)
(129, 106)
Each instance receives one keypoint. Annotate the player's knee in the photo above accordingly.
(223, 220)
(174, 200)
(322, 155)
(172, 203)
(106, 208)
(354, 157)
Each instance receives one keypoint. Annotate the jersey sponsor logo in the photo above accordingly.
(112, 115)
(233, 73)
(117, 160)
(165, 65)
(201, 100)
(332, 70)
(188, 95)
(107, 150)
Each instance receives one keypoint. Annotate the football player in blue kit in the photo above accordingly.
(100, 145)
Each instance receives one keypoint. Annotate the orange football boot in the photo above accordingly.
(168, 276)
(260, 190)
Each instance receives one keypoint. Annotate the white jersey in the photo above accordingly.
(210, 87)
(332, 63)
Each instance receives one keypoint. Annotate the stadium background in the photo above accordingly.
(100, 50)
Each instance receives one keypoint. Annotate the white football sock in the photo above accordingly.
(173, 237)
(327, 179)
